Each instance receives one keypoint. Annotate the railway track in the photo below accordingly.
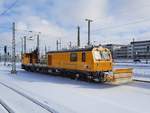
(6, 107)
(138, 80)
(38, 103)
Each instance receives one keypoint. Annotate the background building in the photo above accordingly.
(113, 48)
(122, 52)
(141, 49)
(135, 50)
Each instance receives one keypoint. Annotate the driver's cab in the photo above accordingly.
(102, 59)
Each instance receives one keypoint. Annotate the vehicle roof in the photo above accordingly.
(73, 50)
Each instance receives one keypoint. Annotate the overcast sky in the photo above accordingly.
(114, 21)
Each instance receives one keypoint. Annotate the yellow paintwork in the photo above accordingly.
(62, 60)
(29, 58)
(118, 71)
(25, 59)
(120, 76)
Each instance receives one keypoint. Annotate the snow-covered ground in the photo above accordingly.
(78, 96)
(18, 103)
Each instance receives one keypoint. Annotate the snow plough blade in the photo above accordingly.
(121, 76)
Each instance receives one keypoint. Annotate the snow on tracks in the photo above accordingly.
(4, 108)
(46, 108)
(141, 80)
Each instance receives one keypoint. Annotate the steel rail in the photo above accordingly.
(35, 101)
(6, 107)
(137, 80)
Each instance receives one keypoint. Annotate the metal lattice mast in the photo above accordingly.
(13, 71)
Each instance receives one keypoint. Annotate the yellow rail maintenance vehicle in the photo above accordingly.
(92, 63)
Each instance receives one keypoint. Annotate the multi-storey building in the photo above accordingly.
(140, 49)
(135, 50)
(122, 53)
(113, 48)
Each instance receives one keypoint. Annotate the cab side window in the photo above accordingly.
(73, 57)
(83, 57)
(49, 59)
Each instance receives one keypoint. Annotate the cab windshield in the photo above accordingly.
(101, 55)
(97, 55)
(105, 55)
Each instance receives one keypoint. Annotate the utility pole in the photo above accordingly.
(89, 22)
(25, 39)
(70, 45)
(38, 46)
(21, 47)
(45, 49)
(58, 45)
(13, 71)
(78, 37)
(38, 42)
